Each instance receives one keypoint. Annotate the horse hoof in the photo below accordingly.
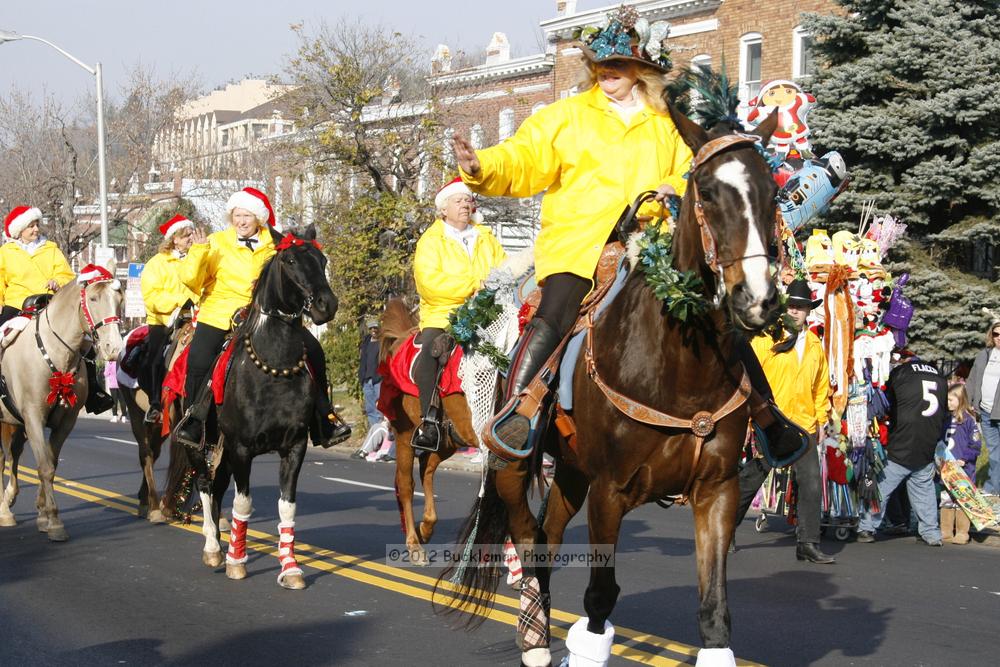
(156, 516)
(43, 524)
(224, 526)
(143, 511)
(418, 558)
(236, 570)
(58, 534)
(7, 520)
(212, 559)
(292, 582)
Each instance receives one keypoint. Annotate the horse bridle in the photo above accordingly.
(708, 244)
(291, 241)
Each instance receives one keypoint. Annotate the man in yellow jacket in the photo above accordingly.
(452, 259)
(591, 154)
(162, 294)
(799, 377)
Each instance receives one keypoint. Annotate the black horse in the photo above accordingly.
(268, 401)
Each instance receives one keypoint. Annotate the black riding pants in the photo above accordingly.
(426, 367)
(562, 295)
(807, 478)
(152, 372)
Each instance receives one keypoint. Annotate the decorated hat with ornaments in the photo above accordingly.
(18, 220)
(627, 36)
(174, 225)
(253, 200)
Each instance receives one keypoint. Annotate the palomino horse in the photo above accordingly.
(269, 401)
(398, 325)
(150, 437)
(44, 371)
(626, 452)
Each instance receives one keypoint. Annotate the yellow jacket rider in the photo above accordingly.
(163, 293)
(222, 269)
(29, 265)
(591, 154)
(452, 259)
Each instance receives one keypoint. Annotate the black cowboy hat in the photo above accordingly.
(800, 294)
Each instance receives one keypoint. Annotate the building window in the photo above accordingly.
(538, 107)
(477, 137)
(750, 58)
(802, 59)
(506, 123)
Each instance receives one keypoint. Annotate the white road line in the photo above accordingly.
(366, 484)
(126, 442)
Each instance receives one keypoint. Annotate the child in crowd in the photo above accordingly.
(962, 436)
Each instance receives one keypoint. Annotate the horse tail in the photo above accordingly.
(469, 585)
(179, 480)
(398, 324)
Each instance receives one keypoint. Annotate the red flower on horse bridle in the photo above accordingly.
(61, 389)
(292, 241)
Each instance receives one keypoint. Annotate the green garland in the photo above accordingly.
(680, 291)
(465, 323)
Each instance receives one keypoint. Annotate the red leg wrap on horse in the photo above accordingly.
(237, 541)
(286, 549)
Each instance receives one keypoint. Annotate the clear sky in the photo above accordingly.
(223, 40)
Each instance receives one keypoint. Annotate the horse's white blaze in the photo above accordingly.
(286, 511)
(242, 507)
(208, 527)
(755, 269)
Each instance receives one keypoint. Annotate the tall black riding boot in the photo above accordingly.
(427, 373)
(328, 428)
(98, 400)
(538, 342)
(190, 432)
(153, 414)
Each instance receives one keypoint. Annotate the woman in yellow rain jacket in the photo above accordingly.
(452, 259)
(592, 154)
(29, 265)
(222, 269)
(163, 293)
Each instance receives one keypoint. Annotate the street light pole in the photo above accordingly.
(97, 73)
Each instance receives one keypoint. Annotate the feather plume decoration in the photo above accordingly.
(709, 95)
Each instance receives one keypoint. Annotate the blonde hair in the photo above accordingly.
(651, 82)
(167, 244)
(990, 341)
(964, 409)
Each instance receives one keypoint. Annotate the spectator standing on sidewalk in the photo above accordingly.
(984, 395)
(797, 372)
(368, 377)
(118, 409)
(961, 434)
(918, 409)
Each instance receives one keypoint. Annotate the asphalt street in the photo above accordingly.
(122, 591)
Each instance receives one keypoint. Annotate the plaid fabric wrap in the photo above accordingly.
(533, 620)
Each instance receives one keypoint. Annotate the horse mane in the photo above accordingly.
(398, 324)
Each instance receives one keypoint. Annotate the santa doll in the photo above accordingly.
(793, 105)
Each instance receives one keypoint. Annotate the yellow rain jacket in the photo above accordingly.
(592, 166)
(801, 388)
(223, 272)
(445, 274)
(162, 289)
(22, 275)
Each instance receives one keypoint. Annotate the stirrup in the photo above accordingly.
(432, 429)
(508, 433)
(153, 415)
(185, 438)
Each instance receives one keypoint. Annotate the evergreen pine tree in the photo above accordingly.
(908, 95)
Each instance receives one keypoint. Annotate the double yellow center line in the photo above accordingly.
(398, 580)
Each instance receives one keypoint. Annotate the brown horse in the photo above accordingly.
(398, 325)
(626, 453)
(150, 440)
